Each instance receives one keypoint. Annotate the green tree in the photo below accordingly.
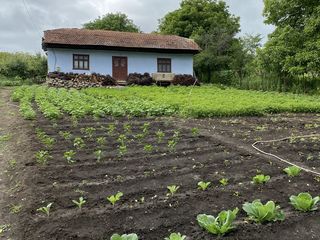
(114, 22)
(213, 27)
(292, 52)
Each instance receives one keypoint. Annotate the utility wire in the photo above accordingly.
(28, 12)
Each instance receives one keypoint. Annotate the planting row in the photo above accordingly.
(207, 101)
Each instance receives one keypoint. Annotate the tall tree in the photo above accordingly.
(211, 25)
(293, 49)
(114, 22)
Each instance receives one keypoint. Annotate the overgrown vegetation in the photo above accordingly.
(22, 69)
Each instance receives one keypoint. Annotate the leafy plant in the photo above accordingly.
(46, 209)
(172, 189)
(176, 236)
(122, 149)
(79, 203)
(65, 135)
(111, 128)
(261, 213)
(79, 143)
(219, 225)
(160, 135)
(292, 171)
(69, 156)
(101, 141)
(172, 145)
(203, 185)
(15, 208)
(145, 128)
(224, 181)
(131, 236)
(98, 155)
(195, 132)
(115, 198)
(89, 132)
(304, 202)
(42, 157)
(148, 148)
(127, 128)
(260, 179)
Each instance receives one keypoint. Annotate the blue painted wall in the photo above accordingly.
(101, 61)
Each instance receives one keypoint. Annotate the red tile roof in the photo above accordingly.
(111, 39)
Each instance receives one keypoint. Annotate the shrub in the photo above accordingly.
(185, 80)
(140, 79)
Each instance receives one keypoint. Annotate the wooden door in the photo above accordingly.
(120, 68)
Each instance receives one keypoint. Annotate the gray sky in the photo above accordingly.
(22, 22)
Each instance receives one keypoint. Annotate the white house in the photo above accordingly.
(118, 53)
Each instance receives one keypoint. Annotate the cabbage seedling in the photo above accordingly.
(160, 135)
(195, 132)
(69, 156)
(115, 198)
(260, 179)
(203, 185)
(172, 145)
(224, 181)
(78, 143)
(145, 128)
(101, 141)
(65, 135)
(79, 203)
(304, 202)
(122, 150)
(45, 210)
(292, 171)
(98, 155)
(176, 236)
(127, 128)
(111, 129)
(172, 189)
(218, 225)
(262, 213)
(43, 157)
(148, 148)
(131, 236)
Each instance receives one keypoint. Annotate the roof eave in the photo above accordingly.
(45, 46)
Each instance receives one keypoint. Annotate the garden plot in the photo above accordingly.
(99, 169)
(158, 153)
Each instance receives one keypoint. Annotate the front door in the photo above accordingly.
(120, 68)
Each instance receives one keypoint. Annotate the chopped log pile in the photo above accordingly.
(78, 81)
(140, 79)
(185, 80)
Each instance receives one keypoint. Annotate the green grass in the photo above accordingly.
(9, 82)
(199, 102)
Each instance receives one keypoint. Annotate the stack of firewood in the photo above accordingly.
(140, 79)
(78, 81)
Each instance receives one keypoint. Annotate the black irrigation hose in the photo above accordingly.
(283, 160)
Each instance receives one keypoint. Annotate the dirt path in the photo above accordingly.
(14, 147)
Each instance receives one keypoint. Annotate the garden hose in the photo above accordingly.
(283, 160)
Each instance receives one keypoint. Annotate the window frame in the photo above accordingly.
(168, 64)
(82, 60)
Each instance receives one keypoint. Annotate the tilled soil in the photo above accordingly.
(221, 149)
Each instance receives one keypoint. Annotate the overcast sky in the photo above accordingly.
(22, 22)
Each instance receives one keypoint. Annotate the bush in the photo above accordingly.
(23, 65)
(185, 80)
(140, 79)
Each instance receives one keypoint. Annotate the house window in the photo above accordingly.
(164, 65)
(80, 62)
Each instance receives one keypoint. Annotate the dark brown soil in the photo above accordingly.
(222, 149)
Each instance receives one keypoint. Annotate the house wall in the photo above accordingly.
(101, 61)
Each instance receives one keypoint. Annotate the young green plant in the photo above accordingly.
(115, 198)
(172, 190)
(304, 202)
(46, 209)
(292, 171)
(260, 179)
(131, 236)
(176, 236)
(79, 203)
(203, 185)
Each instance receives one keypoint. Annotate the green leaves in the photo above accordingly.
(304, 202)
(260, 179)
(131, 236)
(115, 198)
(292, 171)
(261, 213)
(79, 203)
(46, 209)
(175, 236)
(203, 185)
(218, 225)
(172, 189)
